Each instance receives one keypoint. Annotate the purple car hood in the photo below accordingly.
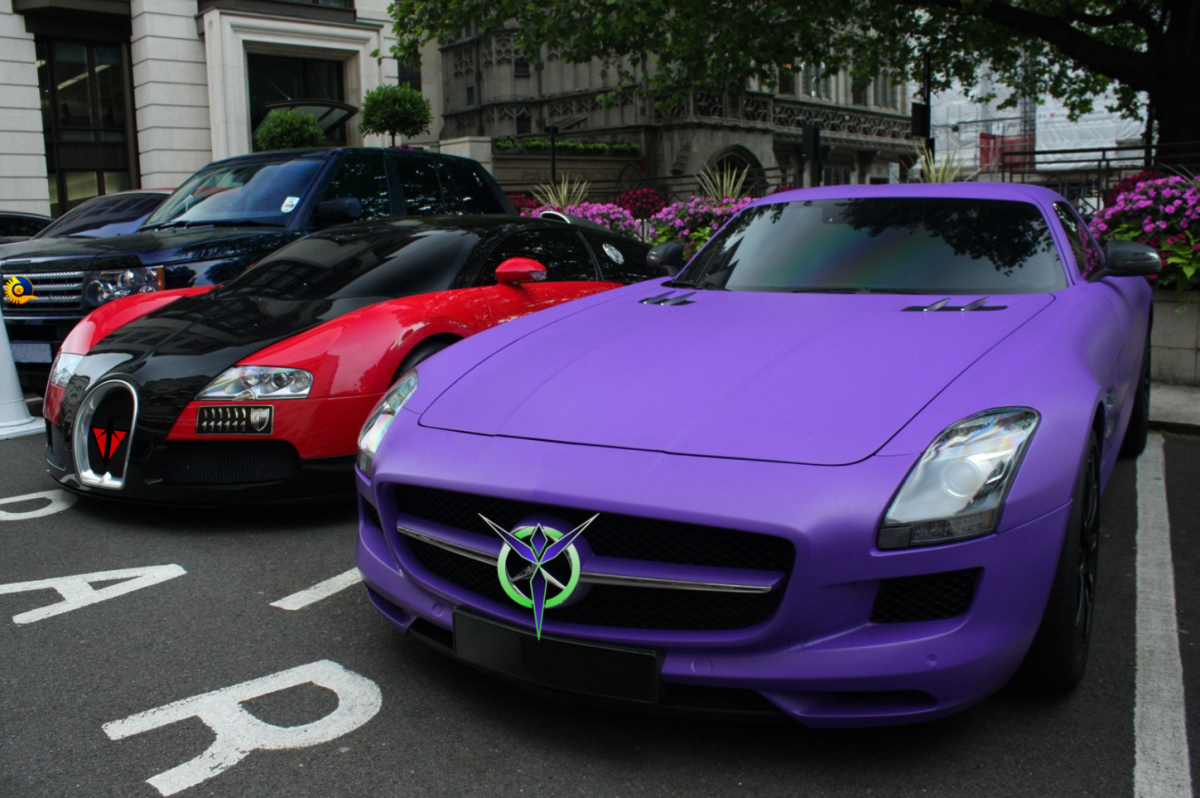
(797, 378)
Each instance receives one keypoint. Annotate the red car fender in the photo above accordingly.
(111, 315)
(359, 353)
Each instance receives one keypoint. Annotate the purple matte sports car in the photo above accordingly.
(846, 465)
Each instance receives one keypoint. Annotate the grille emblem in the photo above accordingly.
(538, 545)
(109, 440)
(233, 420)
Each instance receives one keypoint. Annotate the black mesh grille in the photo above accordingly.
(371, 514)
(932, 597)
(610, 605)
(610, 535)
(59, 451)
(227, 462)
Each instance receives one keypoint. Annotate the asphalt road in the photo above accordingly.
(443, 729)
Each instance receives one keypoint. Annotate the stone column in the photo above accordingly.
(23, 185)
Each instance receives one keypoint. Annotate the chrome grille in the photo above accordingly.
(51, 291)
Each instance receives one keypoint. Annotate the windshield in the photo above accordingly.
(357, 263)
(116, 214)
(886, 244)
(260, 192)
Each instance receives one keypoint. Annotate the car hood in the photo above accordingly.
(798, 378)
(151, 248)
(172, 353)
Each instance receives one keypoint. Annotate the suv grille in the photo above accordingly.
(611, 535)
(51, 291)
(932, 597)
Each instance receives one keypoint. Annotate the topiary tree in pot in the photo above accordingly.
(395, 111)
(288, 130)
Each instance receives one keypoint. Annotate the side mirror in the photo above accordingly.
(338, 211)
(520, 270)
(1128, 259)
(668, 257)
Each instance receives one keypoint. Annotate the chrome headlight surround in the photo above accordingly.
(956, 491)
(109, 285)
(382, 417)
(257, 384)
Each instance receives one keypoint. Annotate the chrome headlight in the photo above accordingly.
(63, 369)
(382, 417)
(111, 285)
(256, 383)
(958, 487)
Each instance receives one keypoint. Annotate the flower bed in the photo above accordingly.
(614, 217)
(694, 222)
(1163, 212)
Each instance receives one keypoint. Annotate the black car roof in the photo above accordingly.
(484, 225)
(319, 154)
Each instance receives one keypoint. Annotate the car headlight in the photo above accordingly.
(63, 369)
(256, 383)
(958, 487)
(382, 417)
(110, 285)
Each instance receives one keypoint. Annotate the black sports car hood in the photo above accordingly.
(174, 352)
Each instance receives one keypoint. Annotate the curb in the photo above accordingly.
(1175, 427)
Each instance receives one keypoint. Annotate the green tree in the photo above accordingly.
(1072, 50)
(394, 110)
(288, 130)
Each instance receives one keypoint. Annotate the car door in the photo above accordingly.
(570, 272)
(360, 175)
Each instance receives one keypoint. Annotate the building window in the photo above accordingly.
(410, 75)
(816, 84)
(470, 96)
(524, 124)
(887, 94)
(787, 80)
(858, 96)
(520, 67)
(276, 78)
(86, 119)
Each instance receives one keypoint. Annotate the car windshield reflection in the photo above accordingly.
(256, 193)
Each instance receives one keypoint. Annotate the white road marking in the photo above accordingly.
(77, 590)
(238, 732)
(59, 501)
(319, 591)
(1161, 764)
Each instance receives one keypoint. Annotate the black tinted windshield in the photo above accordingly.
(894, 244)
(355, 264)
(113, 215)
(259, 191)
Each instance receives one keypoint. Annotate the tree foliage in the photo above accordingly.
(288, 130)
(395, 111)
(1072, 50)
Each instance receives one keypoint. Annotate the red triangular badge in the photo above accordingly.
(117, 437)
(99, 433)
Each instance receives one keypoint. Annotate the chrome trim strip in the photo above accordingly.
(592, 577)
(79, 439)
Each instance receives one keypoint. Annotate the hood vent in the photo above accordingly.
(944, 304)
(670, 298)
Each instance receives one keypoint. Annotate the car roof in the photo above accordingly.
(485, 225)
(23, 215)
(1019, 192)
(323, 153)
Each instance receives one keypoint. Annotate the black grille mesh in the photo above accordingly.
(931, 597)
(610, 605)
(60, 452)
(227, 462)
(610, 535)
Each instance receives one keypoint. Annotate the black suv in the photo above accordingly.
(222, 219)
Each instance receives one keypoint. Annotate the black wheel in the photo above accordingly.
(1059, 654)
(421, 352)
(1139, 421)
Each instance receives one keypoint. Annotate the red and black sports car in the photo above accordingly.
(256, 390)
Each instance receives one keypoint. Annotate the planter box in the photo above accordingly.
(1173, 343)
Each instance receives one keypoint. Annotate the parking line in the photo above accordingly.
(323, 590)
(1161, 764)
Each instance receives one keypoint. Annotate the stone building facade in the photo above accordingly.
(492, 91)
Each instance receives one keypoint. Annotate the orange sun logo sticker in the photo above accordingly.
(18, 290)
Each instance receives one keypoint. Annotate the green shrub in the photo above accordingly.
(536, 144)
(626, 146)
(505, 143)
(395, 111)
(288, 130)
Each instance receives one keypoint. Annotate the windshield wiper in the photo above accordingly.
(210, 223)
(861, 289)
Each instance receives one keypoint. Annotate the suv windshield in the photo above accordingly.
(259, 192)
(886, 245)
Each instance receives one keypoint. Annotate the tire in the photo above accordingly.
(1058, 656)
(419, 354)
(1139, 420)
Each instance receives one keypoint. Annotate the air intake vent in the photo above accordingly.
(932, 597)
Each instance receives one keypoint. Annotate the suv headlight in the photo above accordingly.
(382, 417)
(958, 487)
(110, 285)
(256, 383)
(63, 369)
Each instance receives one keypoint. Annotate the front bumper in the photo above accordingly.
(819, 658)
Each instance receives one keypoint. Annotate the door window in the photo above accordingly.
(1088, 256)
(562, 252)
(474, 186)
(622, 260)
(419, 182)
(361, 175)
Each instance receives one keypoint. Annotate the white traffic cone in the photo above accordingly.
(15, 420)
